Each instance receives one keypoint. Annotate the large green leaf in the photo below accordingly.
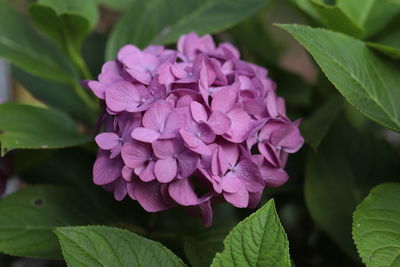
(347, 165)
(259, 240)
(58, 95)
(315, 128)
(24, 47)
(29, 216)
(162, 22)
(108, 246)
(369, 83)
(371, 15)
(376, 226)
(23, 126)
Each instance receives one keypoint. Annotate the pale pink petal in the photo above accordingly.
(228, 156)
(121, 96)
(106, 170)
(241, 126)
(188, 161)
(154, 117)
(249, 174)
(164, 149)
(198, 111)
(239, 199)
(135, 153)
(231, 184)
(127, 173)
(194, 143)
(147, 174)
(166, 169)
(219, 122)
(225, 99)
(269, 153)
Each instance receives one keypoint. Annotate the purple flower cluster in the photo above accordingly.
(192, 126)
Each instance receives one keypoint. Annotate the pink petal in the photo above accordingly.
(231, 184)
(198, 111)
(106, 170)
(146, 135)
(239, 199)
(241, 126)
(183, 193)
(121, 96)
(127, 173)
(188, 161)
(164, 149)
(165, 170)
(107, 141)
(249, 174)
(219, 122)
(194, 143)
(135, 153)
(228, 155)
(269, 153)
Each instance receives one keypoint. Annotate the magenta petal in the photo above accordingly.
(165, 170)
(198, 111)
(135, 153)
(149, 196)
(119, 188)
(154, 117)
(107, 141)
(219, 122)
(225, 99)
(127, 173)
(194, 143)
(188, 161)
(121, 96)
(183, 193)
(147, 174)
(106, 170)
(273, 177)
(228, 155)
(249, 174)
(206, 213)
(269, 153)
(146, 135)
(231, 184)
(239, 199)
(254, 199)
(241, 126)
(164, 149)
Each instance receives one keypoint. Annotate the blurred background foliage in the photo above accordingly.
(345, 156)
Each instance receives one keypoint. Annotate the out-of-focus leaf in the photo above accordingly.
(376, 228)
(307, 7)
(24, 47)
(108, 246)
(116, 4)
(24, 126)
(201, 245)
(366, 81)
(66, 22)
(347, 165)
(388, 44)
(58, 95)
(29, 216)
(334, 18)
(259, 240)
(315, 128)
(162, 22)
(93, 52)
(370, 15)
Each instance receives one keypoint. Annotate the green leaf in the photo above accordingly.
(334, 18)
(162, 22)
(376, 226)
(24, 47)
(23, 126)
(315, 128)
(58, 95)
(108, 246)
(29, 216)
(116, 4)
(388, 44)
(259, 240)
(201, 245)
(307, 7)
(367, 82)
(371, 15)
(347, 165)
(67, 23)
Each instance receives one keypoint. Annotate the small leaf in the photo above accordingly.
(388, 44)
(24, 47)
(376, 226)
(29, 216)
(371, 15)
(343, 170)
(367, 82)
(108, 246)
(66, 22)
(315, 128)
(334, 18)
(259, 240)
(23, 126)
(162, 22)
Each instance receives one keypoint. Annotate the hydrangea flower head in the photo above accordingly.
(195, 119)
